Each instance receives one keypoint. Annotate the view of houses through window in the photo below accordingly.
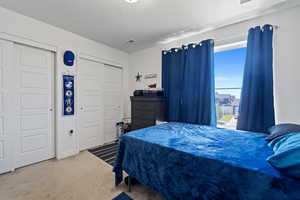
(229, 68)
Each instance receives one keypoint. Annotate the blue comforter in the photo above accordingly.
(186, 161)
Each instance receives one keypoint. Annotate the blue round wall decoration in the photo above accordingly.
(69, 58)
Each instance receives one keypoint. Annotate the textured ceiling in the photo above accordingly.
(114, 22)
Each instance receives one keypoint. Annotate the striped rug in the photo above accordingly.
(122, 196)
(106, 152)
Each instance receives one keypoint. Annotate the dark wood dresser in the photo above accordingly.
(145, 110)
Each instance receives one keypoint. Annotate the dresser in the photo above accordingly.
(145, 110)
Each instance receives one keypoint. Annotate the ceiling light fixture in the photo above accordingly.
(244, 1)
(131, 41)
(131, 1)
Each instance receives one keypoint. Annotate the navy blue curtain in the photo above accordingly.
(198, 94)
(188, 81)
(172, 75)
(256, 112)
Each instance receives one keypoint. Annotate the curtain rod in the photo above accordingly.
(275, 27)
(186, 46)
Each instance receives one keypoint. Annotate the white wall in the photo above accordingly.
(22, 28)
(287, 76)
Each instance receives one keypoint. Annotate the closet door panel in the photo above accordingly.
(90, 112)
(112, 101)
(34, 69)
(7, 115)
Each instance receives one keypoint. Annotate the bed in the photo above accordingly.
(187, 161)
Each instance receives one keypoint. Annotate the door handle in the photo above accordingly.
(71, 132)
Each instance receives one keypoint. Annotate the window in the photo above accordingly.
(229, 68)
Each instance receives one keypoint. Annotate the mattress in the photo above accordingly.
(188, 161)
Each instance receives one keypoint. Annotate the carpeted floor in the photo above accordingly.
(80, 177)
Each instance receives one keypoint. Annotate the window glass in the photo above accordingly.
(229, 68)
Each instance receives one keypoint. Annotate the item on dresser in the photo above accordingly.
(152, 85)
(153, 93)
(146, 110)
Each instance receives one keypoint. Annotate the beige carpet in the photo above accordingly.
(82, 177)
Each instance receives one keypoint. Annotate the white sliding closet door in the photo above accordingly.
(90, 85)
(6, 108)
(34, 78)
(112, 101)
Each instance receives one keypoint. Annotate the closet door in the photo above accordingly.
(112, 101)
(34, 78)
(90, 112)
(7, 119)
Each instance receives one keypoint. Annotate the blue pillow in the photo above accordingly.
(282, 129)
(286, 157)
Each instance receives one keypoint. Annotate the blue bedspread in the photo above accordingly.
(186, 161)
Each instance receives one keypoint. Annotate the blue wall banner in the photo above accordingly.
(68, 89)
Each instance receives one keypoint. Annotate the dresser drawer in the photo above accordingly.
(146, 110)
(142, 106)
(142, 123)
(141, 114)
